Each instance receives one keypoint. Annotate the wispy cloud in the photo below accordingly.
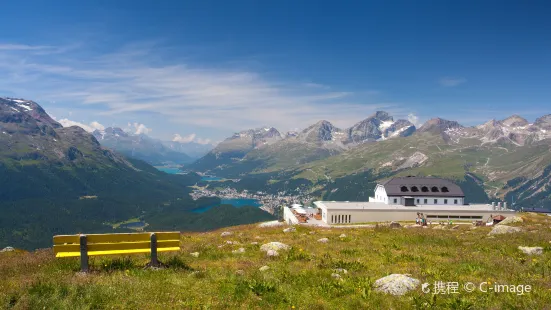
(451, 81)
(190, 138)
(127, 81)
(90, 127)
(23, 47)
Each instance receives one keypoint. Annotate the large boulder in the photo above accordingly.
(504, 229)
(531, 250)
(511, 220)
(396, 284)
(275, 246)
(7, 249)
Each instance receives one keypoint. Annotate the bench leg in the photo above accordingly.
(83, 254)
(154, 260)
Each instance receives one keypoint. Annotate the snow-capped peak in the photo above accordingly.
(385, 124)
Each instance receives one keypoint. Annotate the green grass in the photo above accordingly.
(299, 278)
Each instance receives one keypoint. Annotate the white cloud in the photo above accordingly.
(141, 128)
(126, 83)
(90, 128)
(412, 118)
(451, 81)
(190, 138)
(203, 141)
(97, 125)
(184, 139)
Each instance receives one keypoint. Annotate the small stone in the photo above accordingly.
(229, 242)
(226, 233)
(264, 268)
(239, 251)
(254, 243)
(240, 272)
(323, 240)
(312, 232)
(341, 270)
(342, 236)
(396, 284)
(455, 227)
(290, 229)
(194, 254)
(7, 249)
(272, 253)
(257, 237)
(336, 276)
(274, 246)
(531, 250)
(221, 246)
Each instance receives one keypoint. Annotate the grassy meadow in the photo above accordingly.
(300, 278)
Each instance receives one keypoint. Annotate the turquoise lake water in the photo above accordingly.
(170, 170)
(236, 202)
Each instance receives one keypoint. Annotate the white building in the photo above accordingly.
(402, 199)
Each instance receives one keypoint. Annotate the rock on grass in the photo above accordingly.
(510, 220)
(531, 250)
(396, 284)
(504, 229)
(323, 240)
(271, 224)
(226, 233)
(276, 246)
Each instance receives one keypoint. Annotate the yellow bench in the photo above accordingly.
(115, 244)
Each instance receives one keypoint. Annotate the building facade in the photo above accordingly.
(402, 199)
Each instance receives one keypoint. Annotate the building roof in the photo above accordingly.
(422, 186)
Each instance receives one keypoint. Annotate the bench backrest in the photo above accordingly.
(112, 244)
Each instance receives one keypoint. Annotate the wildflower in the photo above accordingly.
(534, 260)
(300, 250)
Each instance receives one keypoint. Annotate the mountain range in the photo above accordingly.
(500, 159)
(153, 151)
(56, 180)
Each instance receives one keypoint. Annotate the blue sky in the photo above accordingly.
(204, 69)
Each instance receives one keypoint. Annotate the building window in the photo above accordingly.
(434, 189)
(455, 201)
(395, 200)
(414, 189)
(445, 201)
(426, 201)
(445, 189)
(417, 200)
(332, 219)
(404, 189)
(350, 218)
(424, 189)
(435, 201)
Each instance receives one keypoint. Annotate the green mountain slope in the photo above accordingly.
(56, 180)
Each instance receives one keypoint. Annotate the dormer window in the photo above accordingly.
(434, 189)
(424, 189)
(404, 189)
(445, 189)
(414, 189)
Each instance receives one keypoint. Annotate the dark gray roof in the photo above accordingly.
(424, 185)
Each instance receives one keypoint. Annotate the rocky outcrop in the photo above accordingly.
(531, 250)
(504, 229)
(396, 284)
